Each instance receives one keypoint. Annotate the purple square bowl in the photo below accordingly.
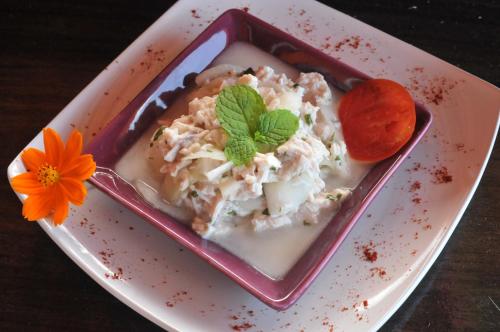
(120, 134)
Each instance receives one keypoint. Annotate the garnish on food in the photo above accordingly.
(378, 118)
(251, 128)
(54, 178)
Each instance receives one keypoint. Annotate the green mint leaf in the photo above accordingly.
(238, 108)
(158, 133)
(240, 150)
(276, 127)
(308, 119)
(331, 197)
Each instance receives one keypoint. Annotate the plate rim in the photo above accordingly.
(405, 293)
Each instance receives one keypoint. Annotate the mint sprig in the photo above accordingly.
(238, 109)
(242, 113)
(240, 150)
(276, 127)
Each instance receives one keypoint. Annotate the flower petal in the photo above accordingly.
(27, 183)
(54, 147)
(74, 190)
(60, 211)
(33, 159)
(36, 207)
(73, 148)
(81, 169)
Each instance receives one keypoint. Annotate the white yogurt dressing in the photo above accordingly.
(273, 251)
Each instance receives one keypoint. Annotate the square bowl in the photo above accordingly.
(129, 125)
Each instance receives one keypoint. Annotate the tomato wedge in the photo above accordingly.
(378, 118)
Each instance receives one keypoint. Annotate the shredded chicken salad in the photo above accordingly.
(255, 147)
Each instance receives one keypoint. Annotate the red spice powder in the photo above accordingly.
(326, 322)
(306, 26)
(370, 255)
(434, 94)
(370, 47)
(416, 200)
(441, 175)
(149, 60)
(355, 42)
(415, 186)
(105, 255)
(341, 44)
(368, 252)
(432, 89)
(378, 271)
(365, 303)
(416, 167)
(116, 275)
(177, 298)
(417, 220)
(242, 327)
(352, 42)
(90, 226)
(194, 13)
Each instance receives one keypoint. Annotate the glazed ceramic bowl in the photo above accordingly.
(128, 126)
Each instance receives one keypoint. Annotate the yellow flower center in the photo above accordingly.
(47, 175)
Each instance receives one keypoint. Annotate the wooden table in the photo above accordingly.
(51, 49)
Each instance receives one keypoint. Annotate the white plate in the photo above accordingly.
(409, 228)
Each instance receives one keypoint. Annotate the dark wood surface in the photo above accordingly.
(51, 49)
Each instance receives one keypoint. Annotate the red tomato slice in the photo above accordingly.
(378, 118)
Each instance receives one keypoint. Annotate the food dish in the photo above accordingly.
(130, 124)
(285, 192)
(150, 259)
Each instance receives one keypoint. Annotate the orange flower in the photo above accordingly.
(54, 178)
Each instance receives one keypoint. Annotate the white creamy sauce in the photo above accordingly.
(246, 55)
(135, 168)
(273, 251)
